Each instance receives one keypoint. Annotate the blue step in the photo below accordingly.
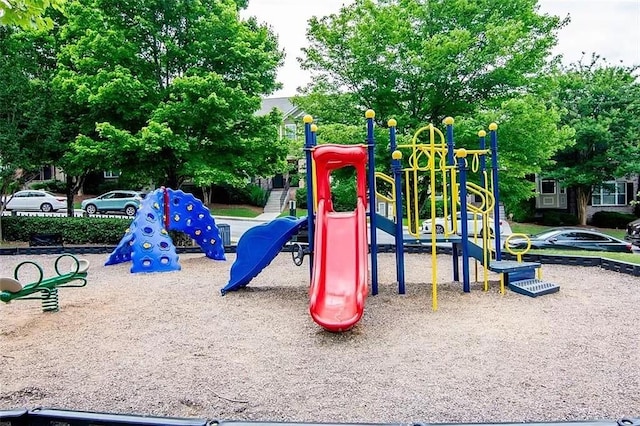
(503, 266)
(533, 287)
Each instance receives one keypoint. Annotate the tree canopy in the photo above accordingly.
(420, 61)
(28, 14)
(174, 87)
(602, 103)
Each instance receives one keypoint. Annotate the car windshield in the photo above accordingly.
(50, 194)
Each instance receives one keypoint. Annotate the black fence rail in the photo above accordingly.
(55, 417)
(549, 259)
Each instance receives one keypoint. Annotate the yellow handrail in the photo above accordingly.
(389, 199)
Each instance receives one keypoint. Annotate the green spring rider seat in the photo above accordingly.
(45, 289)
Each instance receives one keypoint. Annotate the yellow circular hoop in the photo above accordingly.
(517, 254)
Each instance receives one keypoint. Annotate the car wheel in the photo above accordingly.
(439, 229)
(491, 233)
(46, 207)
(130, 211)
(91, 209)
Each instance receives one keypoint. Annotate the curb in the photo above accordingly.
(548, 259)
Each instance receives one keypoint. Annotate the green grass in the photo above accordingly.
(234, 212)
(532, 228)
(299, 213)
(622, 257)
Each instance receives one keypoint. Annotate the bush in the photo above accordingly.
(301, 198)
(56, 186)
(107, 186)
(294, 179)
(74, 230)
(605, 219)
(257, 196)
(251, 194)
(425, 209)
(555, 218)
(524, 211)
(344, 195)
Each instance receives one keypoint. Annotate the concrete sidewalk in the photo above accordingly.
(267, 216)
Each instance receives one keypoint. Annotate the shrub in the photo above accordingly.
(425, 209)
(257, 195)
(555, 218)
(74, 230)
(604, 219)
(301, 198)
(108, 185)
(180, 239)
(343, 195)
(523, 211)
(294, 179)
(249, 194)
(56, 186)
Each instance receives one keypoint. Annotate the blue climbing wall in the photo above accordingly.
(190, 216)
(146, 243)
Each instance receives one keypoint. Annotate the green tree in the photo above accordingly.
(174, 87)
(420, 61)
(28, 14)
(529, 135)
(602, 103)
(28, 129)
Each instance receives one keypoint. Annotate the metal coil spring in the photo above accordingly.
(50, 302)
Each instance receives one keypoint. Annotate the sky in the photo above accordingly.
(610, 28)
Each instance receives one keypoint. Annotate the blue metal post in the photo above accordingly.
(464, 225)
(396, 168)
(483, 158)
(493, 127)
(451, 162)
(308, 146)
(371, 144)
(450, 143)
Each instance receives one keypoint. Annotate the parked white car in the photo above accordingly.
(474, 225)
(34, 200)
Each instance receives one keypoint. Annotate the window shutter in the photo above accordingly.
(630, 195)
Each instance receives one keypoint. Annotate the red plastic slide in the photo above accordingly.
(339, 284)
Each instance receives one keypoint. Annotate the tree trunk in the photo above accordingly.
(171, 179)
(582, 199)
(74, 183)
(206, 194)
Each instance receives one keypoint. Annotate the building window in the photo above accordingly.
(610, 193)
(290, 131)
(548, 186)
(111, 175)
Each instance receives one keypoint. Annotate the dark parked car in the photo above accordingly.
(633, 232)
(575, 239)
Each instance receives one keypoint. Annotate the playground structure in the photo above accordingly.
(447, 170)
(44, 289)
(338, 240)
(147, 243)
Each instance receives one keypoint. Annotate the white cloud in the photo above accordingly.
(610, 28)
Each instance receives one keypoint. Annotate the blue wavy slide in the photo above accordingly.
(258, 247)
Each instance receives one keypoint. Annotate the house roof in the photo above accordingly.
(283, 104)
